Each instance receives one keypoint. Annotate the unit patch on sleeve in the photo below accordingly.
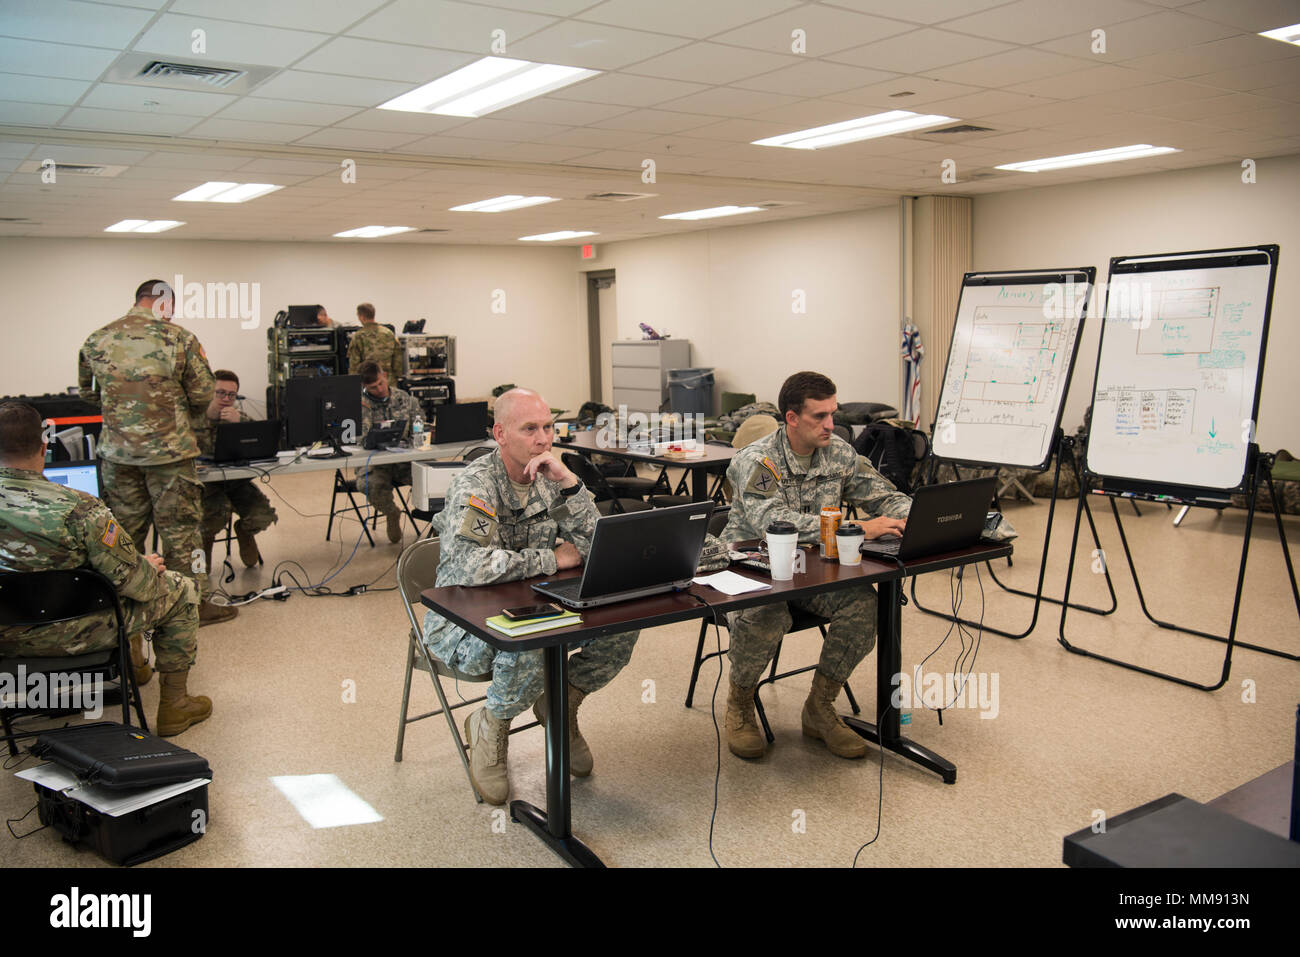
(478, 525)
(764, 479)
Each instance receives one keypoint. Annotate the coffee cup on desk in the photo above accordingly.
(782, 542)
(848, 539)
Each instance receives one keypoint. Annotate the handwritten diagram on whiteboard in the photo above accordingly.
(1178, 369)
(1009, 367)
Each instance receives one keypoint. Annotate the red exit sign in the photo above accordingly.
(588, 251)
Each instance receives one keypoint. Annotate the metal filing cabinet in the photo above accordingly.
(640, 371)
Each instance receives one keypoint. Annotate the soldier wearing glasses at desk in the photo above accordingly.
(512, 515)
(791, 475)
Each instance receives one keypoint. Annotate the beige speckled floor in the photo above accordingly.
(1071, 735)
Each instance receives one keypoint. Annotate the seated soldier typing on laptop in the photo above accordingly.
(791, 475)
(516, 514)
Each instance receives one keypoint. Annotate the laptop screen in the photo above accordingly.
(83, 476)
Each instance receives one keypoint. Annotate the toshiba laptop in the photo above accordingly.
(944, 518)
(246, 441)
(635, 555)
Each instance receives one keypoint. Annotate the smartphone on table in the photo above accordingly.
(521, 612)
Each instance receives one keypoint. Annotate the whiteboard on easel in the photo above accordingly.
(1009, 366)
(1179, 367)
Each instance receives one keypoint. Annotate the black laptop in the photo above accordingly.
(381, 437)
(944, 518)
(460, 422)
(246, 441)
(635, 555)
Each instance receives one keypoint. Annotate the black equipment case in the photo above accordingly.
(123, 758)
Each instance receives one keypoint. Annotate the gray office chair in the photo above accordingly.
(417, 569)
(30, 599)
(800, 621)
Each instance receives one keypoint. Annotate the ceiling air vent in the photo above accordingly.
(435, 230)
(773, 204)
(164, 71)
(959, 128)
(619, 197)
(71, 169)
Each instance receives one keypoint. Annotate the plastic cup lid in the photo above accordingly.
(782, 528)
(850, 530)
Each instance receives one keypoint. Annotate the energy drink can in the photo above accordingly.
(830, 524)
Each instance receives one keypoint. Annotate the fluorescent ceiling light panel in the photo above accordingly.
(325, 801)
(1289, 34)
(225, 192)
(500, 204)
(552, 237)
(143, 226)
(713, 213)
(373, 232)
(488, 85)
(850, 131)
(1088, 159)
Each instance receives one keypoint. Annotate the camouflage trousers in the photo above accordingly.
(170, 498)
(518, 677)
(378, 481)
(850, 636)
(173, 617)
(241, 496)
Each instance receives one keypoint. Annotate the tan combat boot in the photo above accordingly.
(580, 761)
(140, 661)
(248, 553)
(394, 527)
(488, 738)
(820, 720)
(177, 709)
(743, 737)
(210, 614)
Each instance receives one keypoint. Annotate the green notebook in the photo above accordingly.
(526, 626)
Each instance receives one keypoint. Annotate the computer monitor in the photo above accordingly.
(303, 316)
(318, 409)
(83, 476)
(71, 445)
(460, 422)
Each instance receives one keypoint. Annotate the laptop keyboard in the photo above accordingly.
(888, 546)
(567, 588)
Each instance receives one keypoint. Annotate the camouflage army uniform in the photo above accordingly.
(487, 538)
(771, 485)
(46, 526)
(151, 378)
(375, 343)
(377, 481)
(242, 495)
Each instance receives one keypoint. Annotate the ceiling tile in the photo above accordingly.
(815, 78)
(596, 139)
(1033, 21)
(825, 30)
(449, 25)
(687, 18)
(236, 130)
(625, 90)
(918, 11)
(728, 101)
(490, 128)
(326, 17)
(226, 42)
(713, 63)
(1156, 94)
(349, 56)
(54, 59)
(398, 121)
(592, 46)
(124, 121)
(1142, 37)
(654, 121)
(984, 103)
(358, 139)
(919, 51)
(1003, 69)
(126, 96)
(67, 21)
(1215, 56)
(41, 89)
(547, 109)
(285, 111)
(1097, 79)
(323, 88)
(30, 114)
(1248, 79)
(1252, 16)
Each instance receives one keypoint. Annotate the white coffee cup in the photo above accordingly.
(782, 543)
(848, 538)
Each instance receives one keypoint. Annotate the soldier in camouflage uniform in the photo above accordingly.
(380, 403)
(374, 343)
(151, 379)
(240, 495)
(45, 526)
(511, 515)
(791, 475)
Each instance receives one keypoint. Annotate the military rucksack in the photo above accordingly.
(891, 450)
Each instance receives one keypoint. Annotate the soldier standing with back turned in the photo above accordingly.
(151, 379)
(374, 343)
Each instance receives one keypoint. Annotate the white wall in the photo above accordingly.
(61, 290)
(1210, 207)
(731, 292)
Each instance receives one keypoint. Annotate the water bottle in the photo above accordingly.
(418, 435)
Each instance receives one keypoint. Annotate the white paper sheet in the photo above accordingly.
(115, 802)
(729, 583)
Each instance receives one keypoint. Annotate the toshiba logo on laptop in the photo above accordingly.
(944, 519)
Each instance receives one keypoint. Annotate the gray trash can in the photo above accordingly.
(691, 391)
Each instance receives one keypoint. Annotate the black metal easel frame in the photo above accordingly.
(1062, 445)
(1260, 464)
